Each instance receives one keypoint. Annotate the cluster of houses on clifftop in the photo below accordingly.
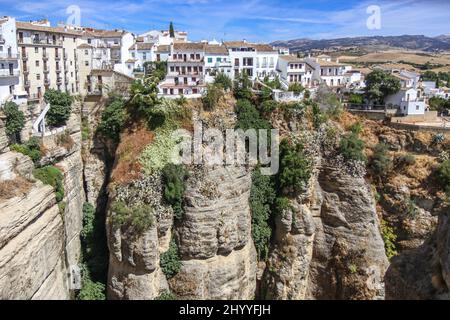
(35, 57)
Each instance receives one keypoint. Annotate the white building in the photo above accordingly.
(140, 53)
(10, 82)
(295, 70)
(163, 37)
(217, 60)
(408, 101)
(256, 60)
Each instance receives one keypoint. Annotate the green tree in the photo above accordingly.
(223, 80)
(296, 87)
(174, 177)
(381, 164)
(443, 174)
(352, 148)
(113, 119)
(295, 168)
(243, 87)
(355, 98)
(15, 120)
(380, 84)
(212, 96)
(60, 107)
(171, 30)
(170, 261)
(144, 94)
(262, 196)
(248, 117)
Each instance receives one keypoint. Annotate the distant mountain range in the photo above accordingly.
(411, 42)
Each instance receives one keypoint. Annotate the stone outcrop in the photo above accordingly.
(39, 238)
(328, 245)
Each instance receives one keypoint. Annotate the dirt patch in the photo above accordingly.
(17, 187)
(133, 142)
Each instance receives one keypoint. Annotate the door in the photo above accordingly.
(11, 69)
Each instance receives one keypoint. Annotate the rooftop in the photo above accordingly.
(44, 28)
(142, 46)
(188, 46)
(216, 49)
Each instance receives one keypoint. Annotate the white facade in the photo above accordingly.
(295, 70)
(10, 82)
(408, 102)
(217, 60)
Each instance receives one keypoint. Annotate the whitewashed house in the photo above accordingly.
(217, 60)
(266, 61)
(408, 101)
(11, 88)
(295, 70)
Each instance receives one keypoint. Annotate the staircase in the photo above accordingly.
(39, 125)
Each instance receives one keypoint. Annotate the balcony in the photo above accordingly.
(45, 42)
(4, 73)
(66, 81)
(9, 56)
(2, 40)
(45, 56)
(58, 70)
(47, 82)
(58, 57)
(46, 69)
(65, 56)
(24, 56)
(59, 81)
(34, 97)
(26, 71)
(27, 83)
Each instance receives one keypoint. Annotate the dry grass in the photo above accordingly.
(65, 140)
(133, 142)
(14, 188)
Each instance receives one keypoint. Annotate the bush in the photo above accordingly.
(352, 148)
(295, 168)
(212, 96)
(248, 117)
(356, 128)
(113, 119)
(15, 120)
(156, 69)
(268, 106)
(443, 174)
(381, 163)
(166, 295)
(85, 129)
(243, 87)
(282, 204)
(32, 149)
(297, 88)
(407, 159)
(139, 216)
(318, 116)
(389, 238)
(88, 222)
(262, 196)
(51, 176)
(170, 261)
(355, 98)
(224, 81)
(91, 290)
(174, 177)
(60, 107)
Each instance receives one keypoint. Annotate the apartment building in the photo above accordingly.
(185, 70)
(110, 49)
(217, 60)
(163, 37)
(256, 60)
(48, 58)
(295, 70)
(10, 82)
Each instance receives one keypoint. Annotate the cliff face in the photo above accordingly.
(217, 254)
(38, 242)
(328, 246)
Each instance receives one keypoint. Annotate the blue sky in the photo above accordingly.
(255, 20)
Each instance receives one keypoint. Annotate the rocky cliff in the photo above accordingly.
(39, 238)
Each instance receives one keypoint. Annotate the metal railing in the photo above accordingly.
(9, 56)
(4, 73)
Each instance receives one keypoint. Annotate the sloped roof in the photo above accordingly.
(188, 46)
(163, 48)
(97, 33)
(291, 58)
(34, 27)
(84, 46)
(142, 46)
(216, 49)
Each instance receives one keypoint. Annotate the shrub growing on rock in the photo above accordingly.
(51, 176)
(443, 174)
(224, 81)
(352, 148)
(31, 148)
(381, 163)
(174, 177)
(139, 216)
(170, 260)
(212, 96)
(295, 168)
(113, 119)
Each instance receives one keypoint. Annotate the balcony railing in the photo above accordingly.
(8, 73)
(47, 82)
(9, 56)
(45, 56)
(24, 56)
(35, 41)
(58, 57)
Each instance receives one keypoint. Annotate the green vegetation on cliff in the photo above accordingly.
(170, 260)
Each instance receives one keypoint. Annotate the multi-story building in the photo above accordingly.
(163, 37)
(48, 58)
(256, 60)
(10, 82)
(185, 70)
(295, 70)
(217, 60)
(110, 49)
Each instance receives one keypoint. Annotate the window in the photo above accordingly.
(89, 41)
(71, 74)
(38, 76)
(86, 63)
(417, 108)
(144, 56)
(37, 63)
(219, 59)
(36, 50)
(11, 89)
(210, 60)
(197, 56)
(86, 52)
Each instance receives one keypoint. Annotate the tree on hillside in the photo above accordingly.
(380, 84)
(60, 107)
(15, 120)
(243, 87)
(171, 30)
